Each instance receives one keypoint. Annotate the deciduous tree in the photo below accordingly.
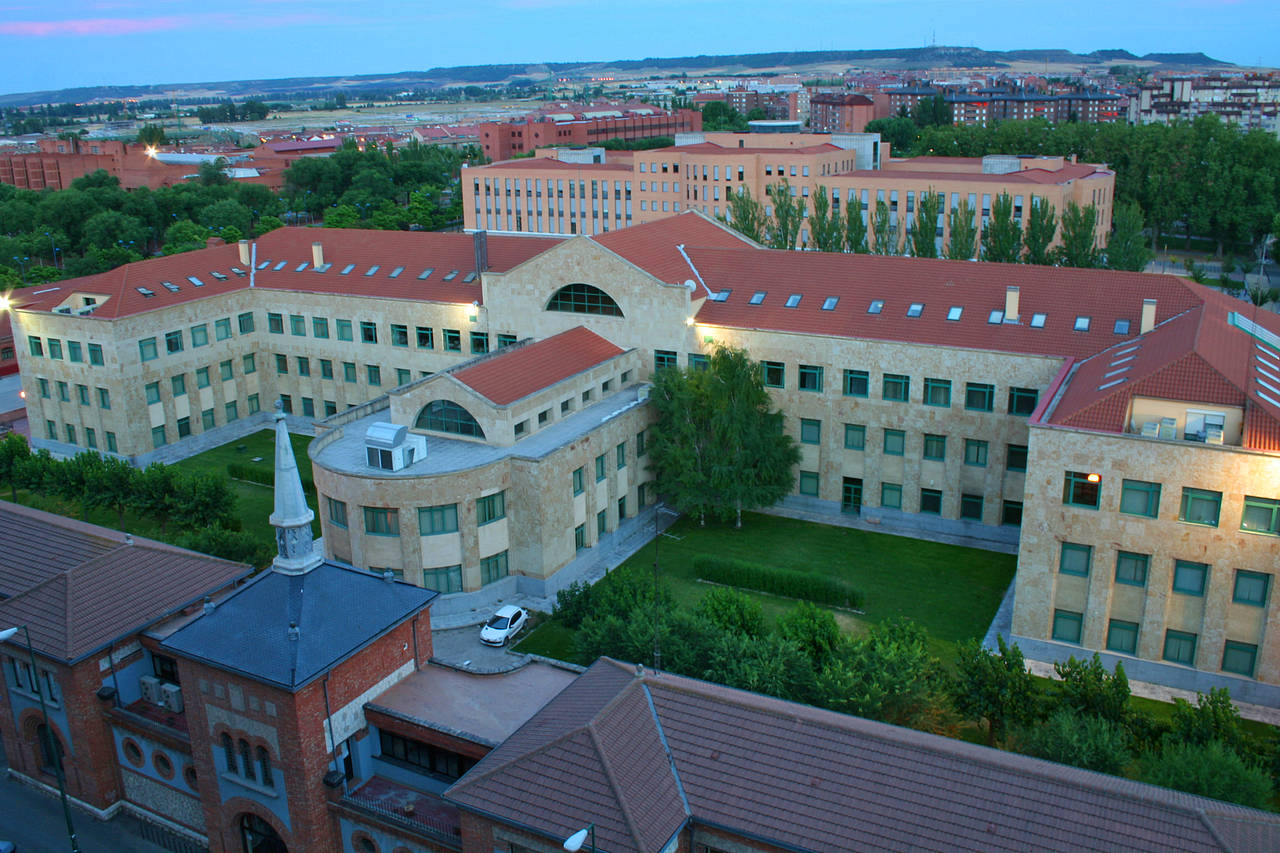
(855, 227)
(884, 231)
(1002, 236)
(997, 688)
(1079, 236)
(746, 215)
(963, 232)
(924, 240)
(826, 231)
(788, 214)
(1042, 227)
(1127, 249)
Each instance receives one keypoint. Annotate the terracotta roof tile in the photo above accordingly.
(361, 250)
(515, 372)
(652, 246)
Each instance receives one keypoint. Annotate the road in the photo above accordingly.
(33, 821)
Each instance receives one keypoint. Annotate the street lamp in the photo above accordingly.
(48, 729)
(574, 842)
(22, 262)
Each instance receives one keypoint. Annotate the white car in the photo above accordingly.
(503, 625)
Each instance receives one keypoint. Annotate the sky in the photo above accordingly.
(53, 45)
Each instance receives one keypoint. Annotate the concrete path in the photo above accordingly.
(461, 648)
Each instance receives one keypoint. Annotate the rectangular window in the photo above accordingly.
(184, 427)
(104, 398)
(1081, 489)
(426, 337)
(493, 568)
(222, 329)
(55, 348)
(249, 363)
(51, 430)
(856, 383)
(896, 387)
(304, 366)
(37, 348)
(600, 468)
(894, 442)
(810, 378)
(399, 335)
(935, 446)
(1075, 559)
(368, 332)
(855, 436)
(505, 340)
(95, 355)
(1189, 578)
(1200, 506)
(491, 508)
(275, 323)
(199, 335)
(158, 437)
(937, 392)
(206, 419)
(231, 411)
(444, 580)
(621, 452)
(1251, 588)
(931, 501)
(891, 495)
(111, 442)
(202, 377)
(297, 325)
(252, 401)
(44, 387)
(979, 397)
(1015, 457)
(308, 407)
(91, 438)
(374, 374)
(774, 374)
(320, 327)
(71, 433)
(602, 522)
(146, 348)
(435, 520)
(337, 512)
(1138, 497)
(380, 521)
(152, 390)
(75, 353)
(1131, 568)
(326, 368)
(810, 431)
(809, 483)
(1239, 658)
(975, 452)
(479, 343)
(1180, 647)
(1022, 401)
(173, 342)
(342, 330)
(64, 391)
(1122, 637)
(1067, 625)
(579, 537)
(349, 371)
(1261, 515)
(663, 358)
(971, 507)
(82, 394)
(578, 478)
(452, 340)
(245, 322)
(282, 363)
(641, 442)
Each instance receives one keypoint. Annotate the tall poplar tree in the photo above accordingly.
(1002, 236)
(1079, 241)
(1127, 249)
(826, 231)
(884, 231)
(855, 227)
(924, 242)
(1042, 227)
(788, 213)
(746, 215)
(964, 232)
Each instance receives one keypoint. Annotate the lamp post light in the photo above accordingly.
(22, 262)
(48, 729)
(574, 842)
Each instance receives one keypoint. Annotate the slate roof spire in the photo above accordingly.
(296, 553)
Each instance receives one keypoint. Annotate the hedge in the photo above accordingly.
(809, 586)
(238, 471)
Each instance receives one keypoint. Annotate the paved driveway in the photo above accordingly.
(461, 647)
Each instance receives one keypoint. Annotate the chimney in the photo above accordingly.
(128, 539)
(293, 631)
(208, 605)
(481, 242)
(1148, 316)
(317, 254)
(210, 242)
(244, 253)
(1011, 304)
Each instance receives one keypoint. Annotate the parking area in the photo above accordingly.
(461, 648)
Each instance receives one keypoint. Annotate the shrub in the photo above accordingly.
(263, 477)
(1211, 770)
(1081, 740)
(573, 604)
(807, 586)
(732, 612)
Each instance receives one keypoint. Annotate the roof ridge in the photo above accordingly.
(609, 775)
(1213, 830)
(666, 748)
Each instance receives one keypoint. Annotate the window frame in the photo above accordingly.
(979, 391)
(773, 374)
(1134, 559)
(934, 447)
(855, 380)
(1184, 569)
(1075, 548)
(896, 387)
(1191, 498)
(1148, 492)
(899, 439)
(491, 508)
(1268, 505)
(810, 378)
(1067, 617)
(937, 393)
(1251, 600)
(1180, 636)
(1072, 484)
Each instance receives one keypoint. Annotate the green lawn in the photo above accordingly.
(952, 591)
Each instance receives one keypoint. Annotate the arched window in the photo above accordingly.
(264, 767)
(229, 752)
(50, 749)
(584, 299)
(448, 416)
(246, 760)
(258, 836)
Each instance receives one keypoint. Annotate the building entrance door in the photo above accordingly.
(851, 496)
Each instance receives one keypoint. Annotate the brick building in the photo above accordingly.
(503, 140)
(840, 112)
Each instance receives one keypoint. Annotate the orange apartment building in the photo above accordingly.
(591, 191)
(835, 112)
(503, 140)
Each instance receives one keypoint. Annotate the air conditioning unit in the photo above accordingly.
(151, 690)
(171, 695)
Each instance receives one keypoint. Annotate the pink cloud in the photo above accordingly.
(93, 26)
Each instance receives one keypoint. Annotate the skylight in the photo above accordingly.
(995, 317)
(170, 286)
(347, 269)
(220, 276)
(451, 275)
(280, 266)
(373, 269)
(239, 272)
(830, 303)
(322, 268)
(757, 297)
(914, 309)
(395, 273)
(876, 306)
(1110, 384)
(1115, 372)
(1122, 327)
(302, 266)
(264, 265)
(425, 274)
(1128, 349)
(1037, 321)
(954, 312)
(197, 282)
(469, 277)
(145, 292)
(721, 295)
(1082, 324)
(793, 300)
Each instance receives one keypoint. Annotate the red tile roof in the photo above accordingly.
(388, 250)
(538, 164)
(513, 373)
(75, 585)
(1027, 176)
(714, 148)
(979, 288)
(652, 246)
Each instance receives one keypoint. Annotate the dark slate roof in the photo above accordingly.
(642, 756)
(337, 609)
(75, 585)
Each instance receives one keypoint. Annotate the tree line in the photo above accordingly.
(199, 506)
(1203, 178)
(1004, 238)
(888, 673)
